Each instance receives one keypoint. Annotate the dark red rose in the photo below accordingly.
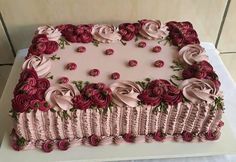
(187, 136)
(43, 83)
(200, 74)
(30, 90)
(188, 73)
(189, 33)
(147, 97)
(40, 38)
(159, 136)
(186, 24)
(173, 95)
(217, 83)
(63, 144)
(28, 73)
(206, 66)
(94, 140)
(99, 94)
(84, 28)
(71, 37)
(158, 83)
(21, 103)
(35, 104)
(48, 146)
(39, 94)
(44, 106)
(86, 38)
(17, 88)
(128, 137)
(192, 40)
(31, 81)
(51, 46)
(81, 102)
(128, 30)
(37, 48)
(212, 135)
(66, 28)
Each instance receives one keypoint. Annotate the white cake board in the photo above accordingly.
(195, 151)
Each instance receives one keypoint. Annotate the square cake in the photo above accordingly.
(98, 84)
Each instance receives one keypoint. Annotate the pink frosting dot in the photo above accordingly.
(63, 80)
(109, 51)
(132, 63)
(115, 76)
(159, 63)
(81, 49)
(94, 72)
(71, 66)
(142, 44)
(156, 49)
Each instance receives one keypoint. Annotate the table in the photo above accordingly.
(228, 86)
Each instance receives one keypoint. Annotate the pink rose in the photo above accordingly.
(80, 102)
(63, 144)
(37, 48)
(159, 136)
(43, 83)
(173, 95)
(40, 38)
(187, 136)
(94, 140)
(128, 137)
(51, 46)
(21, 103)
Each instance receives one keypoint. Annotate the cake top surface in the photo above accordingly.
(99, 65)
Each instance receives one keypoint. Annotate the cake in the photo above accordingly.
(98, 84)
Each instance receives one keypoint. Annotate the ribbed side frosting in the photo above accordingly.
(140, 120)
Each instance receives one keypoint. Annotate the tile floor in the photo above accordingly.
(228, 59)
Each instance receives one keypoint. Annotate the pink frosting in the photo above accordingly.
(192, 53)
(52, 33)
(41, 65)
(105, 33)
(124, 93)
(196, 90)
(153, 30)
(59, 96)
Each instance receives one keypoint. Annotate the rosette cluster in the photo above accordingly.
(182, 33)
(45, 41)
(160, 91)
(29, 92)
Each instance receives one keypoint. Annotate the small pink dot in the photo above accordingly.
(142, 44)
(132, 63)
(63, 80)
(115, 76)
(71, 66)
(156, 49)
(81, 49)
(159, 63)
(109, 51)
(94, 72)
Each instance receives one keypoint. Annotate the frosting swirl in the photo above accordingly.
(52, 33)
(192, 53)
(105, 33)
(41, 64)
(153, 29)
(60, 96)
(125, 93)
(199, 89)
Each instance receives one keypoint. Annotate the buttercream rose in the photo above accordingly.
(43, 83)
(21, 103)
(37, 48)
(60, 96)
(196, 90)
(192, 53)
(40, 38)
(51, 33)
(51, 46)
(40, 64)
(28, 73)
(98, 93)
(151, 29)
(125, 93)
(172, 95)
(105, 33)
(81, 102)
(128, 30)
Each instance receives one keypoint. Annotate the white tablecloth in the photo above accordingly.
(228, 86)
